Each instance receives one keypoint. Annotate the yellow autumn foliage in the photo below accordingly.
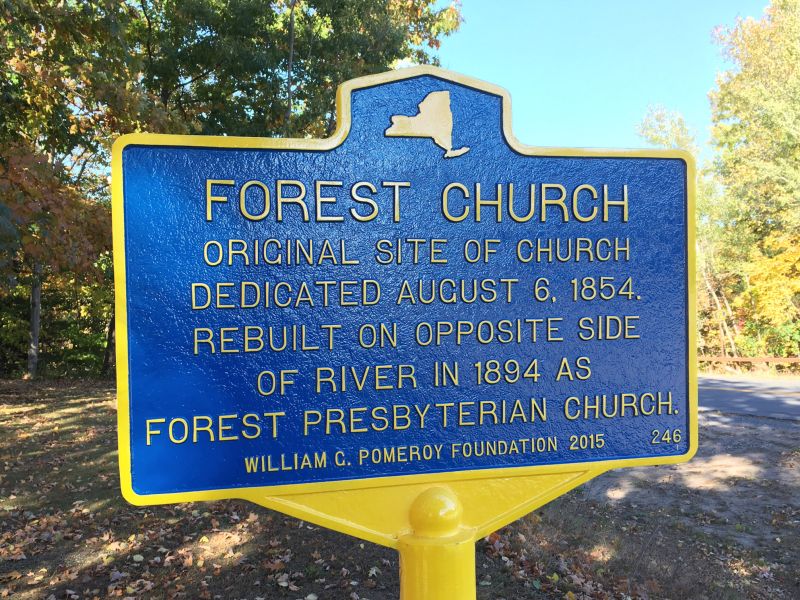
(773, 277)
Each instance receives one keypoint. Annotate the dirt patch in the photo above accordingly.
(724, 526)
(744, 482)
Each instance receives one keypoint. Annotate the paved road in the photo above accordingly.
(765, 397)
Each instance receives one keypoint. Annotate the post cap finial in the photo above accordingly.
(436, 512)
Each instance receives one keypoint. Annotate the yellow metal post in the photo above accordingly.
(437, 559)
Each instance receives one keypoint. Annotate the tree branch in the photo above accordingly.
(149, 46)
(205, 73)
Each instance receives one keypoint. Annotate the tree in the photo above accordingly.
(53, 62)
(246, 67)
(55, 228)
(717, 325)
(756, 115)
(76, 74)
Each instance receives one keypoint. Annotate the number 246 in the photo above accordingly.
(668, 436)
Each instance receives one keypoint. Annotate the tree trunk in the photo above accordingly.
(109, 346)
(729, 312)
(287, 125)
(721, 319)
(36, 320)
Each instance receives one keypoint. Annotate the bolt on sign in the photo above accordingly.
(414, 331)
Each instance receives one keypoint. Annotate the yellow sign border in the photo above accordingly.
(280, 496)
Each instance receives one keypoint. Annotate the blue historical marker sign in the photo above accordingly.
(418, 295)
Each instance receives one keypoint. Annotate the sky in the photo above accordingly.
(582, 73)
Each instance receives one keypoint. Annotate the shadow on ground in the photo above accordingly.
(723, 526)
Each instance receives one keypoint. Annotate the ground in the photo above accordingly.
(724, 526)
